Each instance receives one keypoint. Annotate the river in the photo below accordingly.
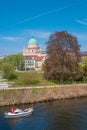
(57, 115)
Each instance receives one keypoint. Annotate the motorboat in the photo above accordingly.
(18, 113)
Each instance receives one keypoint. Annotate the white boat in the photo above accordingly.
(18, 113)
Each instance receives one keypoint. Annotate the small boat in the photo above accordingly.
(18, 113)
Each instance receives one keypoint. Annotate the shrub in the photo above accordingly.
(28, 78)
(8, 71)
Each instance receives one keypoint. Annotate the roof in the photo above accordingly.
(32, 40)
(34, 57)
(39, 58)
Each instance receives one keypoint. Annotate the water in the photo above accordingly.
(56, 115)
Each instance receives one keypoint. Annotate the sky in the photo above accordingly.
(19, 19)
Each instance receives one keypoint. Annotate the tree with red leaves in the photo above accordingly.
(63, 56)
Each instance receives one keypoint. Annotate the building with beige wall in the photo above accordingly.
(33, 55)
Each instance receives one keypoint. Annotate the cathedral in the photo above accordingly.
(33, 55)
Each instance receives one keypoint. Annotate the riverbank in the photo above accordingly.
(12, 96)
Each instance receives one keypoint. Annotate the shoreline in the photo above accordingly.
(15, 96)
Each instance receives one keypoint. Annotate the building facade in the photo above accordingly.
(33, 55)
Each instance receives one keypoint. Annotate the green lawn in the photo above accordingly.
(30, 78)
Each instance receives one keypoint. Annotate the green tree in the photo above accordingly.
(1, 64)
(83, 66)
(19, 61)
(63, 56)
(8, 71)
(15, 60)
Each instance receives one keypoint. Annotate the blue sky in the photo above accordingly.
(20, 18)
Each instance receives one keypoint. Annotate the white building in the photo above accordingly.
(1, 57)
(33, 55)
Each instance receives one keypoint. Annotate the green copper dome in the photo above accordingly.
(32, 40)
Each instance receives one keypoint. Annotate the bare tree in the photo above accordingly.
(63, 56)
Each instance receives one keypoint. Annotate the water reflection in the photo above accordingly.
(57, 115)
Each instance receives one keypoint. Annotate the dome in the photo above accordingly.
(32, 41)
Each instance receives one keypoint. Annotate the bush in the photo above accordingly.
(8, 71)
(28, 78)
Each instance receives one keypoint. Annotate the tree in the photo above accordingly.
(83, 66)
(1, 64)
(63, 56)
(20, 61)
(15, 60)
(8, 71)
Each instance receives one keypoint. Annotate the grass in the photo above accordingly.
(34, 78)
(40, 90)
(16, 96)
(30, 78)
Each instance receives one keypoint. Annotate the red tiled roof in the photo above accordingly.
(35, 57)
(38, 58)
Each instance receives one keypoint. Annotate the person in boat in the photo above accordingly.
(13, 109)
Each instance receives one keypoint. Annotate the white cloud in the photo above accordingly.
(42, 34)
(83, 22)
(82, 36)
(10, 38)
